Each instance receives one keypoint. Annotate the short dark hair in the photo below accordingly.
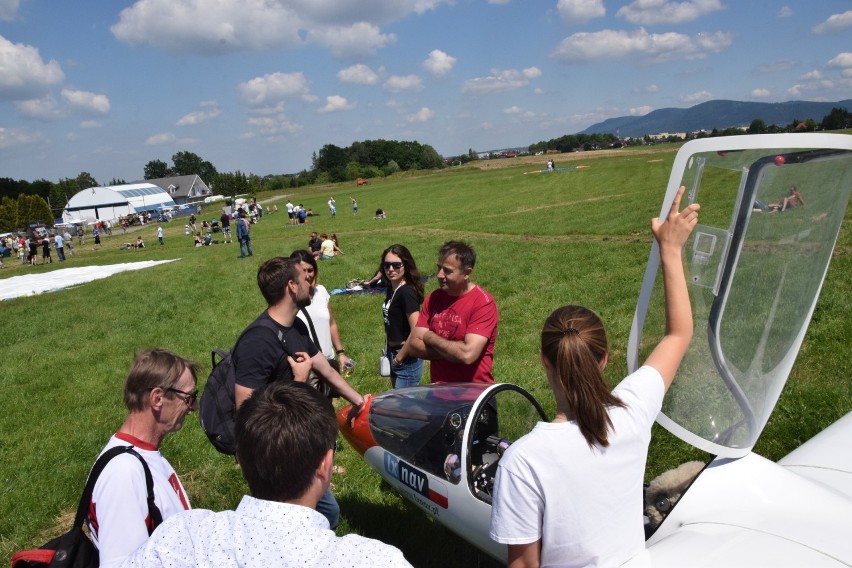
(462, 251)
(273, 277)
(154, 368)
(283, 432)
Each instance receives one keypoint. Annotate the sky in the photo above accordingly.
(105, 86)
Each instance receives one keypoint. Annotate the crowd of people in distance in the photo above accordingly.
(27, 249)
(286, 429)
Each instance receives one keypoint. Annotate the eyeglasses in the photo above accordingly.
(395, 265)
(191, 397)
(188, 397)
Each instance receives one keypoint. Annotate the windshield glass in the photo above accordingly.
(423, 425)
(771, 211)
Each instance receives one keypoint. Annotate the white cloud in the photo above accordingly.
(835, 23)
(23, 73)
(43, 108)
(651, 12)
(616, 44)
(760, 93)
(273, 87)
(841, 60)
(814, 75)
(84, 100)
(513, 110)
(358, 74)
(580, 11)
(397, 83)
(274, 125)
(785, 12)
(89, 124)
(8, 9)
(159, 139)
(698, 97)
(501, 80)
(336, 103)
(640, 110)
(352, 42)
(206, 28)
(209, 111)
(439, 63)
(422, 115)
(499, 2)
(14, 137)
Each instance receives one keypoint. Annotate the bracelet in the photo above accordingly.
(341, 351)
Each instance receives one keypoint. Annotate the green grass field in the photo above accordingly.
(578, 236)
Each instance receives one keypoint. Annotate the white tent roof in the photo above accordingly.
(112, 202)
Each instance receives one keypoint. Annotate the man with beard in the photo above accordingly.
(277, 346)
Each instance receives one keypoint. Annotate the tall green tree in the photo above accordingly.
(85, 180)
(60, 193)
(156, 169)
(8, 214)
(189, 163)
(837, 119)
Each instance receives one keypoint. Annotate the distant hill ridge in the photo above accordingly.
(714, 114)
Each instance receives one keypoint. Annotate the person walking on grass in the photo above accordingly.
(243, 235)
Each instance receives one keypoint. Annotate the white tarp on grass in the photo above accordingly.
(31, 284)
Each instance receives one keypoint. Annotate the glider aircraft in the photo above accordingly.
(754, 275)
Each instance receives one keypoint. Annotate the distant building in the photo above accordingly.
(184, 190)
(108, 203)
(667, 135)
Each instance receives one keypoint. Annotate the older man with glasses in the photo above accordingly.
(159, 392)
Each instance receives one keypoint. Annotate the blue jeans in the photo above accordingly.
(245, 244)
(327, 506)
(408, 374)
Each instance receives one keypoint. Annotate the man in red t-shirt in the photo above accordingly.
(457, 326)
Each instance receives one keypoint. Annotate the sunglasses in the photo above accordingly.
(395, 265)
(188, 397)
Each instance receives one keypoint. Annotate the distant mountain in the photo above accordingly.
(714, 114)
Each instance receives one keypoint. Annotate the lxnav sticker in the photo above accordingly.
(415, 479)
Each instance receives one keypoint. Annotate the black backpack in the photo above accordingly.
(74, 549)
(218, 408)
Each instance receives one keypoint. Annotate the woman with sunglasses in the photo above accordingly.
(400, 310)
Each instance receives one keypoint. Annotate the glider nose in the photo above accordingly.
(358, 435)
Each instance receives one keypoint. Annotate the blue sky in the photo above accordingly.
(105, 86)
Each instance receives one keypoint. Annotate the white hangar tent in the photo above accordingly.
(111, 202)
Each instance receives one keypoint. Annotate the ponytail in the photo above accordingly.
(573, 341)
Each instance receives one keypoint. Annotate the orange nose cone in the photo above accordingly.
(359, 435)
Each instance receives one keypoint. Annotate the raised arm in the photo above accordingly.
(671, 235)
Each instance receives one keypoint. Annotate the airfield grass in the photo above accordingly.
(543, 240)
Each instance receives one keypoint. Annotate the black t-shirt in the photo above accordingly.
(226, 220)
(259, 357)
(396, 323)
(315, 244)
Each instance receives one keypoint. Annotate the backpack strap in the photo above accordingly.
(98, 468)
(314, 336)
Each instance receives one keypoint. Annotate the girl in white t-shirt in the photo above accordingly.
(569, 493)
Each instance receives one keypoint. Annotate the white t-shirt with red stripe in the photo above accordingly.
(118, 514)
